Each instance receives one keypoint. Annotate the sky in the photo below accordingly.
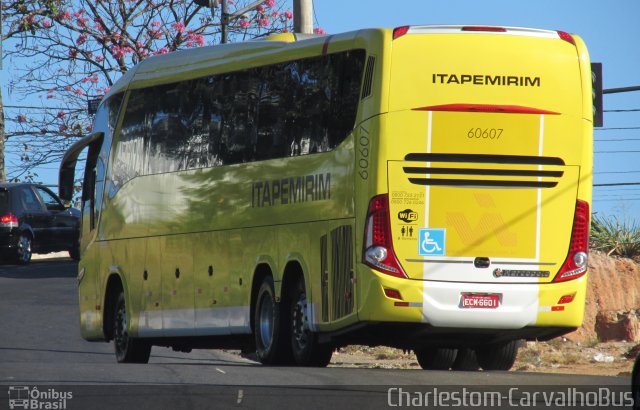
(611, 30)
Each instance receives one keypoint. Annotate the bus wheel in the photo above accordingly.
(466, 360)
(268, 327)
(128, 349)
(305, 347)
(441, 358)
(499, 356)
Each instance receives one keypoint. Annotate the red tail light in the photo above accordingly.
(567, 37)
(9, 221)
(378, 250)
(576, 263)
(400, 31)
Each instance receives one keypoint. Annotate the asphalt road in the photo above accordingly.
(44, 359)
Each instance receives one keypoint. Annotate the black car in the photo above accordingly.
(34, 220)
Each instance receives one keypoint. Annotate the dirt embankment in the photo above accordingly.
(613, 301)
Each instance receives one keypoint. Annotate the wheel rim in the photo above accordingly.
(24, 249)
(266, 321)
(121, 338)
(300, 326)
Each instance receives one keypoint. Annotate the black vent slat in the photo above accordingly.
(324, 278)
(485, 159)
(368, 77)
(494, 172)
(482, 183)
(342, 275)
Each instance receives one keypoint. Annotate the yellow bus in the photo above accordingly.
(424, 187)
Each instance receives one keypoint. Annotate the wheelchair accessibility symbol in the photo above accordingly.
(431, 242)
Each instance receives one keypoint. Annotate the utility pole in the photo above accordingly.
(303, 16)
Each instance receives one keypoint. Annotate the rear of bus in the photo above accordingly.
(480, 225)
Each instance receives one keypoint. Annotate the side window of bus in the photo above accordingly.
(280, 124)
(129, 150)
(239, 105)
(346, 76)
(287, 109)
(308, 106)
(105, 122)
(212, 120)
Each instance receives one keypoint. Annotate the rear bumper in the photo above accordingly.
(438, 304)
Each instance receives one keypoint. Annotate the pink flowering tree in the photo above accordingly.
(62, 53)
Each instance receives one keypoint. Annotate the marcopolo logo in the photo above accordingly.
(24, 397)
(408, 215)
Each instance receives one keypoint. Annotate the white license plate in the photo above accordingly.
(480, 300)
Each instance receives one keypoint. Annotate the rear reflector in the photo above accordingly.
(489, 108)
(566, 299)
(567, 37)
(392, 293)
(485, 29)
(400, 31)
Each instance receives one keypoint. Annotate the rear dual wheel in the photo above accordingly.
(282, 332)
(304, 343)
(436, 358)
(270, 327)
(499, 356)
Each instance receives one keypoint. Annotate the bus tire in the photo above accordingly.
(270, 329)
(304, 342)
(432, 358)
(500, 356)
(466, 360)
(128, 349)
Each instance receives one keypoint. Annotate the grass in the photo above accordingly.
(593, 342)
(615, 237)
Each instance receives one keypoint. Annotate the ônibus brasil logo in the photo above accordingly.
(24, 397)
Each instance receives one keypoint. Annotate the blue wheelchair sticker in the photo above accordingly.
(431, 242)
